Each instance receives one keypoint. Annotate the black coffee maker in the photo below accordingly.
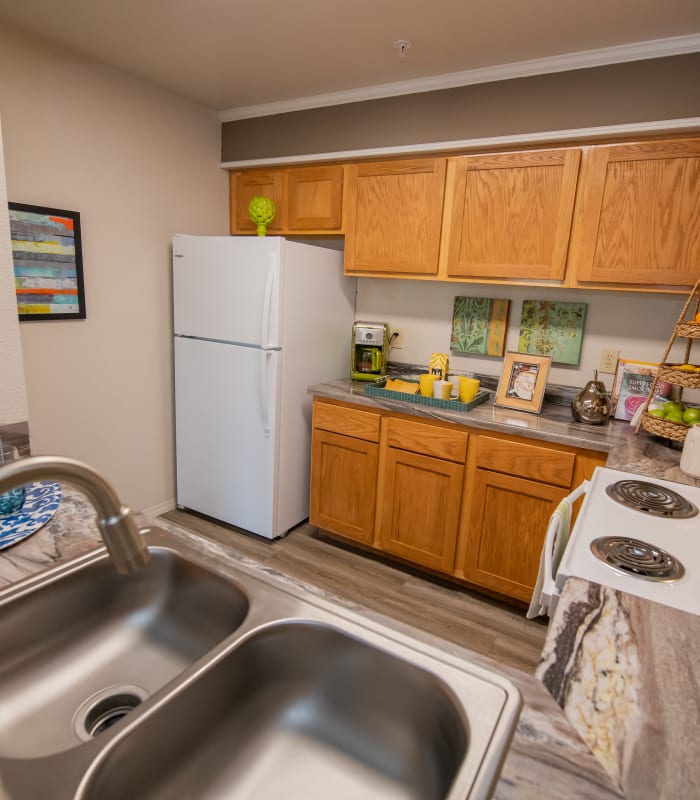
(370, 350)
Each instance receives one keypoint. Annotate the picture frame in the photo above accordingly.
(48, 262)
(552, 328)
(523, 381)
(479, 326)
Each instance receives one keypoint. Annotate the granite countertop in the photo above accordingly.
(626, 671)
(626, 450)
(546, 754)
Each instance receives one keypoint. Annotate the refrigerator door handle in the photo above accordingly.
(270, 285)
(265, 395)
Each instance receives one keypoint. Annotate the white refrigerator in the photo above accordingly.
(256, 321)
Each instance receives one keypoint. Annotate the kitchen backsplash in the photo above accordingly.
(639, 325)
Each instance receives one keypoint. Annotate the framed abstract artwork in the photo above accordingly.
(479, 326)
(522, 382)
(48, 262)
(553, 329)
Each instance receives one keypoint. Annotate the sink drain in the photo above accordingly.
(105, 708)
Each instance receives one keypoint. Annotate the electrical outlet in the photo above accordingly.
(397, 338)
(608, 361)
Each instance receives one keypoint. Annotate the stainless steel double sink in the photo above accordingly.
(201, 678)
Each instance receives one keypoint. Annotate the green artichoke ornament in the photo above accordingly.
(262, 211)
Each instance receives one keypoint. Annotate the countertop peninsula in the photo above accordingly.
(547, 758)
(626, 671)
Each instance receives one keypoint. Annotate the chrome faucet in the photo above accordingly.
(119, 532)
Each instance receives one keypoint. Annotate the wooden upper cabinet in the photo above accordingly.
(307, 199)
(394, 216)
(510, 214)
(246, 185)
(639, 217)
(315, 198)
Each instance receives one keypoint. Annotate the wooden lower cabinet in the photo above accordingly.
(344, 464)
(471, 505)
(418, 514)
(343, 485)
(504, 532)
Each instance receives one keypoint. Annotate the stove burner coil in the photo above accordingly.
(638, 559)
(651, 498)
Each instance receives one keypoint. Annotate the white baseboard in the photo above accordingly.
(160, 508)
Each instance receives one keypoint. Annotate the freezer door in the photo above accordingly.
(226, 444)
(226, 288)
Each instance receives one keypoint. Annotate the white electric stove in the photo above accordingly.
(640, 535)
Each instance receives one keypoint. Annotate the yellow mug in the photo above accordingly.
(442, 390)
(426, 384)
(468, 387)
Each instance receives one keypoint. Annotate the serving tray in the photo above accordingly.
(377, 390)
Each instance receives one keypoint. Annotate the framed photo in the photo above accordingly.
(523, 381)
(48, 262)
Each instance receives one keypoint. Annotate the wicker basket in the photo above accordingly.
(663, 427)
(691, 380)
(690, 330)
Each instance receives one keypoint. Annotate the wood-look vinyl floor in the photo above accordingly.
(453, 613)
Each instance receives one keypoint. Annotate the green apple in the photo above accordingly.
(674, 416)
(672, 406)
(657, 412)
(691, 416)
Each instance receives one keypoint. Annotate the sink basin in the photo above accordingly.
(298, 710)
(200, 677)
(86, 648)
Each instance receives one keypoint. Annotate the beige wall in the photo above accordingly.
(139, 164)
(13, 398)
(638, 325)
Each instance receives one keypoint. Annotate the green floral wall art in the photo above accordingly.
(552, 329)
(479, 325)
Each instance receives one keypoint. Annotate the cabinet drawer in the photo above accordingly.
(428, 440)
(348, 421)
(525, 460)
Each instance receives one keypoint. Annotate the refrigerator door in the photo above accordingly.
(226, 401)
(226, 288)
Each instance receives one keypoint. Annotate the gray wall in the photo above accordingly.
(640, 91)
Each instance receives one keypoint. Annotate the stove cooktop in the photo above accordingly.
(639, 535)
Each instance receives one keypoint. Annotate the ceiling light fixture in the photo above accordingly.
(402, 45)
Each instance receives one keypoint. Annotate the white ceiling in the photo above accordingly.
(230, 54)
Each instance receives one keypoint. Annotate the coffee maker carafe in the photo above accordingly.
(370, 350)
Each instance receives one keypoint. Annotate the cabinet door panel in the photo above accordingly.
(343, 485)
(640, 215)
(314, 197)
(245, 186)
(505, 531)
(395, 216)
(419, 508)
(511, 214)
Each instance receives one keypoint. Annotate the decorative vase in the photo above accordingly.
(592, 404)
